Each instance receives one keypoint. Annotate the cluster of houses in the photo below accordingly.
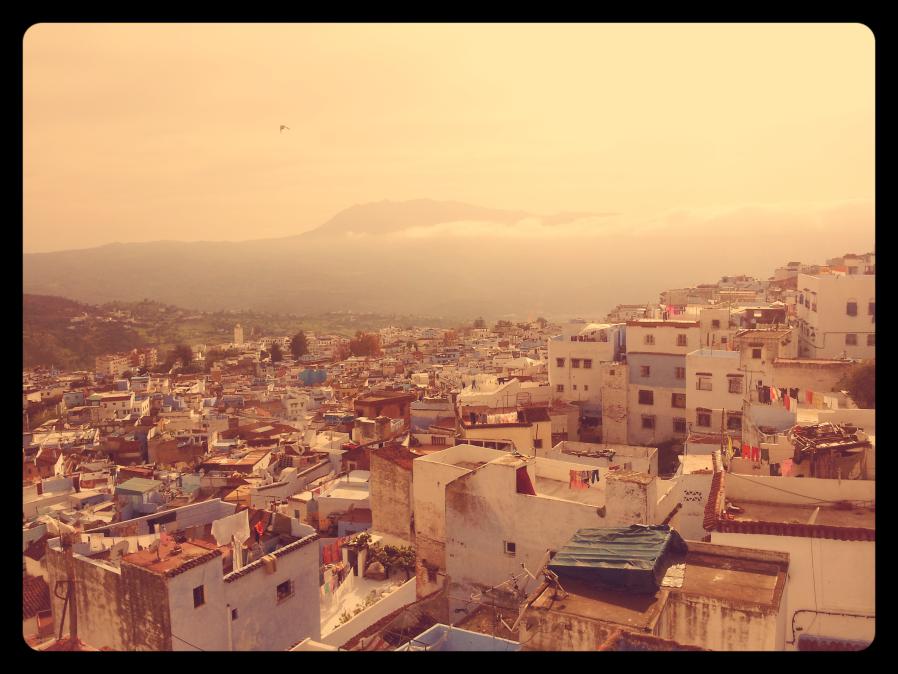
(680, 475)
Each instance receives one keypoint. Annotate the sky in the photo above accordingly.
(147, 132)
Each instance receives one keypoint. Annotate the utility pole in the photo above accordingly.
(71, 599)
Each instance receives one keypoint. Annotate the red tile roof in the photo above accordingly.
(715, 520)
(35, 596)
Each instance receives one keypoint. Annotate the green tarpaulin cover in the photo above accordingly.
(632, 559)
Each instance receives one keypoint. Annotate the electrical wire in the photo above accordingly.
(792, 493)
(187, 642)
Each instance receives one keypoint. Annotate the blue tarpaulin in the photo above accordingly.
(630, 558)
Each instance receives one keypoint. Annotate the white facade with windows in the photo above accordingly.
(715, 389)
(837, 315)
(574, 358)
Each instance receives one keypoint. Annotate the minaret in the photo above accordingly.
(238, 334)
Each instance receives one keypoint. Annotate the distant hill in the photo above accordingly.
(450, 259)
(392, 216)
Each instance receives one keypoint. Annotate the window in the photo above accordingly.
(575, 362)
(559, 362)
(871, 309)
(801, 298)
(538, 443)
(704, 383)
(574, 387)
(734, 422)
(649, 339)
(681, 340)
(756, 354)
(648, 421)
(850, 340)
(679, 425)
(735, 384)
(646, 398)
(871, 340)
(233, 614)
(587, 364)
(851, 308)
(680, 372)
(199, 597)
(703, 418)
(611, 372)
(586, 386)
(678, 400)
(723, 340)
(285, 590)
(715, 324)
(559, 388)
(645, 371)
(510, 548)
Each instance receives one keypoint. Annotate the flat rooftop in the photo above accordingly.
(173, 557)
(711, 571)
(562, 490)
(857, 516)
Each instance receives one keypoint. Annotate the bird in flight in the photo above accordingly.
(284, 127)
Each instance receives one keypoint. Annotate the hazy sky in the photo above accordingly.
(149, 131)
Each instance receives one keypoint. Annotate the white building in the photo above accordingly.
(238, 334)
(186, 589)
(574, 358)
(715, 391)
(656, 360)
(830, 597)
(481, 513)
(837, 315)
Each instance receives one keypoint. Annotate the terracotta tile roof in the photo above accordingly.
(286, 550)
(714, 505)
(35, 596)
(799, 530)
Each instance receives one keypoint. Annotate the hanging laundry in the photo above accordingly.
(755, 454)
(746, 451)
(774, 469)
(786, 402)
(809, 397)
(793, 392)
(595, 476)
(765, 454)
(786, 468)
(794, 403)
(783, 393)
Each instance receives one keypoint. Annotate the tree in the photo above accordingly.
(276, 354)
(365, 344)
(342, 352)
(860, 383)
(299, 345)
(542, 322)
(480, 323)
(182, 353)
